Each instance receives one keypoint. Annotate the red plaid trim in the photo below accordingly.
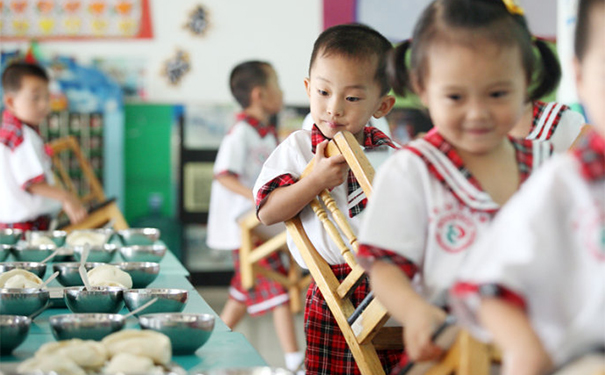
(11, 131)
(32, 181)
(591, 155)
(327, 351)
(372, 138)
(465, 290)
(262, 128)
(266, 189)
(523, 155)
(368, 254)
(539, 108)
(264, 289)
(40, 223)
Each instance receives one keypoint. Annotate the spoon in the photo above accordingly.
(141, 308)
(82, 269)
(50, 278)
(52, 255)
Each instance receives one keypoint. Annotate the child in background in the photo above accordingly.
(471, 65)
(347, 85)
(28, 195)
(537, 280)
(243, 151)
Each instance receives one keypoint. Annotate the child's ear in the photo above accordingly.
(256, 94)
(308, 86)
(419, 90)
(9, 101)
(386, 104)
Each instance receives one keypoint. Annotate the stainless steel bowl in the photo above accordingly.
(10, 236)
(169, 300)
(29, 301)
(153, 253)
(102, 254)
(247, 371)
(5, 250)
(85, 326)
(108, 300)
(25, 252)
(69, 274)
(13, 331)
(139, 236)
(56, 236)
(142, 273)
(37, 268)
(187, 332)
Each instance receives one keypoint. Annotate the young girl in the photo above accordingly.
(538, 277)
(471, 64)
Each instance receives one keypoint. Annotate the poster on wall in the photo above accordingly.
(74, 19)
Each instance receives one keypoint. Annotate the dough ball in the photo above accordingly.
(146, 343)
(108, 275)
(88, 354)
(19, 278)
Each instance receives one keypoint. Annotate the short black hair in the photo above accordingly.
(355, 41)
(245, 77)
(13, 74)
(581, 42)
(462, 21)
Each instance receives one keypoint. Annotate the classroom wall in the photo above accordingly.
(279, 31)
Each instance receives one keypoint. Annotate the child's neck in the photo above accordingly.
(258, 113)
(523, 126)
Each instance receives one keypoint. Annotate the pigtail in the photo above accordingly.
(397, 69)
(550, 72)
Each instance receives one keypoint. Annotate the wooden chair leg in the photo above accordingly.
(474, 356)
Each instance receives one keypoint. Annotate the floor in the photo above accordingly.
(259, 331)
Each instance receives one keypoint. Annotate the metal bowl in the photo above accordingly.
(29, 301)
(69, 274)
(102, 254)
(187, 332)
(139, 236)
(37, 268)
(5, 250)
(13, 331)
(25, 252)
(85, 326)
(56, 236)
(152, 253)
(10, 236)
(108, 300)
(169, 300)
(142, 273)
(105, 235)
(247, 371)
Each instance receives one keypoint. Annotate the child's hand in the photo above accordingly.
(328, 172)
(74, 209)
(421, 321)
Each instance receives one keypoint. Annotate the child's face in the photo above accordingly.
(474, 95)
(590, 72)
(31, 103)
(271, 94)
(344, 94)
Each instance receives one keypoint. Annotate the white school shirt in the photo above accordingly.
(432, 224)
(20, 165)
(556, 123)
(548, 247)
(291, 157)
(242, 152)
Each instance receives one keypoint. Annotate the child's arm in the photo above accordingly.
(523, 353)
(70, 203)
(419, 318)
(286, 202)
(233, 184)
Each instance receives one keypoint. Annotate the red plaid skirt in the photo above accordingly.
(40, 223)
(266, 294)
(327, 350)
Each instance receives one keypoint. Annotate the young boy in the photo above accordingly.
(347, 85)
(27, 193)
(537, 282)
(241, 155)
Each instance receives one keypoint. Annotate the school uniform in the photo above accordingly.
(24, 161)
(242, 154)
(556, 123)
(546, 254)
(327, 351)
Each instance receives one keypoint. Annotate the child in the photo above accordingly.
(241, 155)
(347, 85)
(471, 64)
(538, 279)
(28, 195)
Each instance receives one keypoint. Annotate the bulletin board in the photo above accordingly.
(74, 19)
